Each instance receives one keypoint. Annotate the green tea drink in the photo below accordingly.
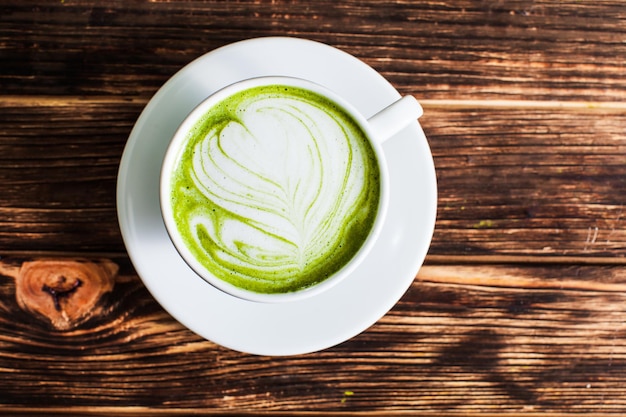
(275, 190)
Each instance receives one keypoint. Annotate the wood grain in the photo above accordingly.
(529, 181)
(523, 49)
(548, 183)
(58, 167)
(506, 338)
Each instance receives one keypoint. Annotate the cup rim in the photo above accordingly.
(176, 144)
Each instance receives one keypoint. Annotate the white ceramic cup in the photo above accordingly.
(377, 128)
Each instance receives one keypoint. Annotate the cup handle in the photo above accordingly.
(395, 117)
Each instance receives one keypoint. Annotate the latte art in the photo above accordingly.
(276, 189)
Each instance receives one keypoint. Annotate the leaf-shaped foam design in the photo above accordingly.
(276, 190)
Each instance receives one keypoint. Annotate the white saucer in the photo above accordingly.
(299, 327)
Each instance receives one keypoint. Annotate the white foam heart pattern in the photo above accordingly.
(276, 190)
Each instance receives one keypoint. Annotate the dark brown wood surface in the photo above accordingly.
(520, 307)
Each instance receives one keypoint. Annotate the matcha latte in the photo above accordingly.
(275, 189)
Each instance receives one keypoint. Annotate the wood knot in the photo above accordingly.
(65, 292)
(61, 291)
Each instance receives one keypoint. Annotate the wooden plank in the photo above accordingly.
(58, 172)
(521, 49)
(549, 183)
(495, 338)
(528, 181)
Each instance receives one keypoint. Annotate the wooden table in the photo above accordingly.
(520, 307)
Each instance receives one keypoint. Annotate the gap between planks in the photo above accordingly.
(524, 260)
(439, 260)
(610, 106)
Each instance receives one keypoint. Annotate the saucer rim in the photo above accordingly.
(187, 315)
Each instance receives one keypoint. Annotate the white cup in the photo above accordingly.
(377, 129)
